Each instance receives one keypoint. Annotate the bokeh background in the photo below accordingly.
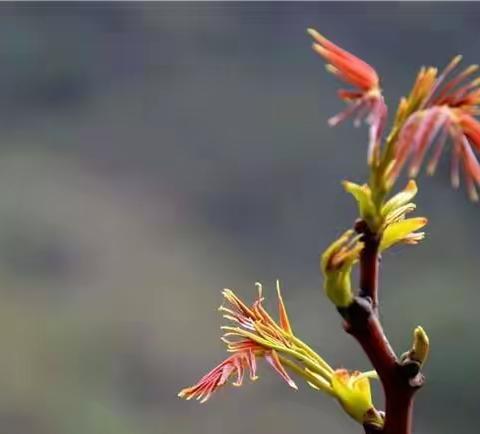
(155, 153)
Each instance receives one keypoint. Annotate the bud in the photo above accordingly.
(420, 347)
(352, 390)
(366, 207)
(336, 264)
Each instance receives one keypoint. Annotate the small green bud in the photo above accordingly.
(420, 347)
(336, 263)
(366, 207)
(339, 288)
(352, 390)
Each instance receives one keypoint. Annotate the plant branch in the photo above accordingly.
(400, 379)
(369, 263)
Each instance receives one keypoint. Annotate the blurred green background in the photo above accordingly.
(155, 153)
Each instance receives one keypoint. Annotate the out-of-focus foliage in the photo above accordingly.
(152, 155)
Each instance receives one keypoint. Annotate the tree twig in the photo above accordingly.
(369, 263)
(400, 379)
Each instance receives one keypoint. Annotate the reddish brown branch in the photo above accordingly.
(369, 263)
(400, 379)
(363, 324)
(399, 411)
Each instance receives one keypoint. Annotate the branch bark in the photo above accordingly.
(400, 378)
(369, 264)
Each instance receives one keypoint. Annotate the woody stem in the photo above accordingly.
(369, 264)
(400, 379)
